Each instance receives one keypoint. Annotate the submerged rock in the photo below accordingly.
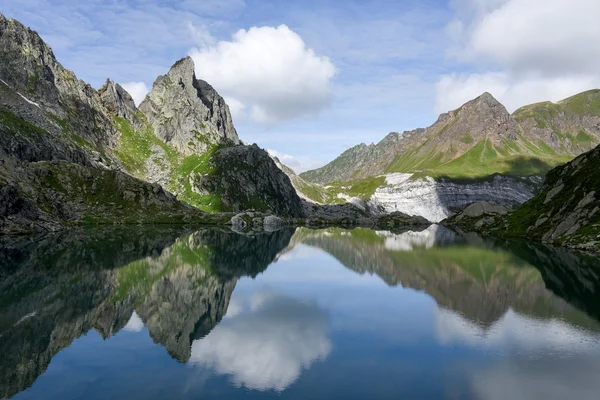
(272, 223)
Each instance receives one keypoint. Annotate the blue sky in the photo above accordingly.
(308, 79)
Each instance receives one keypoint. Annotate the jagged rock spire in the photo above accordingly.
(188, 113)
(117, 100)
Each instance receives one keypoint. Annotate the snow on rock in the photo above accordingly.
(437, 200)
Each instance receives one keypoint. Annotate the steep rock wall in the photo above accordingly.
(436, 200)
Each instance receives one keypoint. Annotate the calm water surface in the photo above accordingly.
(340, 314)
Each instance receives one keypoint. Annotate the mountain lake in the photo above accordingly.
(189, 313)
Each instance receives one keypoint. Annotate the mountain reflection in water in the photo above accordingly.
(510, 319)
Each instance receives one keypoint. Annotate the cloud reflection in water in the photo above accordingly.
(268, 344)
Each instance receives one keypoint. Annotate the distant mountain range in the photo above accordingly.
(477, 140)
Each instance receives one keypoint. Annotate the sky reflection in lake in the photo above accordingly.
(298, 314)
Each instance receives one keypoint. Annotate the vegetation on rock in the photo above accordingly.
(566, 211)
(476, 141)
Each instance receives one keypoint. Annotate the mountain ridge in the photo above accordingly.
(487, 137)
(173, 140)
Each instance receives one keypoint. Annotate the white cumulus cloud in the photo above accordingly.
(522, 53)
(267, 73)
(560, 36)
(137, 90)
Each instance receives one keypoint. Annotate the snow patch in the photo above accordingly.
(19, 322)
(29, 101)
(437, 200)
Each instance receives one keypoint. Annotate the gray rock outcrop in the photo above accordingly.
(566, 210)
(29, 68)
(437, 200)
(118, 101)
(246, 177)
(188, 113)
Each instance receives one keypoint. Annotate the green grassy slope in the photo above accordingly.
(482, 160)
(481, 139)
(139, 146)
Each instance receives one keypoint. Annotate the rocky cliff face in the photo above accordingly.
(30, 69)
(48, 115)
(57, 144)
(117, 101)
(246, 176)
(566, 211)
(308, 191)
(437, 200)
(188, 113)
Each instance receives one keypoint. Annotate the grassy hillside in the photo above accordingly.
(485, 158)
(585, 103)
(350, 160)
(477, 140)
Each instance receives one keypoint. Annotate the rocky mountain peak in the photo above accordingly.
(117, 100)
(486, 97)
(28, 66)
(188, 113)
(484, 105)
(183, 68)
(483, 117)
